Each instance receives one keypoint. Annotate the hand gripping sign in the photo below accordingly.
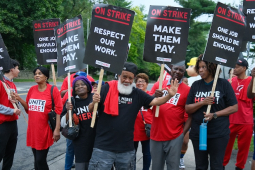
(166, 37)
(225, 39)
(108, 40)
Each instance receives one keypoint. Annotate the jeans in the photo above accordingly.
(146, 153)
(69, 154)
(103, 160)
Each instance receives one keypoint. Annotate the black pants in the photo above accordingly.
(8, 142)
(40, 157)
(215, 148)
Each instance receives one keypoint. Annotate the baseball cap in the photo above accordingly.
(80, 73)
(96, 82)
(242, 62)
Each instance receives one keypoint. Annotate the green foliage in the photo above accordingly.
(119, 3)
(137, 44)
(198, 30)
(16, 17)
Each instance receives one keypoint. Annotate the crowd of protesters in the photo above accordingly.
(126, 111)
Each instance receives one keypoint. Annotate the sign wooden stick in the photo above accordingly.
(253, 86)
(160, 86)
(231, 75)
(69, 99)
(214, 86)
(53, 74)
(14, 104)
(96, 104)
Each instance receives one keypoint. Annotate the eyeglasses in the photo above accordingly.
(141, 81)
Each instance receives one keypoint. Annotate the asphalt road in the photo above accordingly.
(23, 158)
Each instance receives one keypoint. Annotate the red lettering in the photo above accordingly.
(97, 10)
(113, 12)
(84, 116)
(221, 10)
(117, 14)
(185, 15)
(165, 13)
(156, 12)
(197, 99)
(70, 24)
(174, 13)
(128, 17)
(89, 116)
(38, 108)
(37, 25)
(80, 117)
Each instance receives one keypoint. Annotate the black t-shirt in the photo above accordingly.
(115, 133)
(224, 97)
(84, 143)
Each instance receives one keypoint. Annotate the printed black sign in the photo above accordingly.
(249, 6)
(5, 62)
(226, 35)
(249, 10)
(166, 37)
(108, 39)
(70, 45)
(1, 76)
(45, 41)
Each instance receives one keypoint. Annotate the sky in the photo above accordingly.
(203, 18)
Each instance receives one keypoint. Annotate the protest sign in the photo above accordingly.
(225, 37)
(70, 45)
(166, 36)
(249, 10)
(45, 41)
(108, 39)
(5, 61)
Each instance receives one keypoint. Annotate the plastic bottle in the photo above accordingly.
(203, 136)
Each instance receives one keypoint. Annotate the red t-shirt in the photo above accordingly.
(6, 102)
(39, 134)
(139, 132)
(244, 115)
(169, 124)
(65, 82)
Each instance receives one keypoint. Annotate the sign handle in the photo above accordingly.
(160, 86)
(69, 99)
(53, 74)
(14, 104)
(214, 86)
(96, 104)
(231, 75)
(253, 86)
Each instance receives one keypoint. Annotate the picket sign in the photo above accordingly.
(53, 74)
(69, 99)
(160, 86)
(231, 75)
(98, 91)
(213, 87)
(14, 104)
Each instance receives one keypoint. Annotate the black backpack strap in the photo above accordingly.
(142, 116)
(52, 99)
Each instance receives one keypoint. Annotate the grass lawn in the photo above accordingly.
(251, 145)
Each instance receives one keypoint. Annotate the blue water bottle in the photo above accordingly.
(203, 136)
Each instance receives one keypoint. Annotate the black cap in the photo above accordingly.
(242, 62)
(131, 67)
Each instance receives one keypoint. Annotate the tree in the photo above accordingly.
(198, 30)
(16, 18)
(119, 3)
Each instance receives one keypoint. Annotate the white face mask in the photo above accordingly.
(126, 90)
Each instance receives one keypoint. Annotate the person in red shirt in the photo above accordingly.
(241, 122)
(143, 116)
(8, 118)
(37, 105)
(64, 86)
(167, 129)
(251, 95)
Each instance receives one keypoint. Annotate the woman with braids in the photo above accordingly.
(37, 105)
(223, 104)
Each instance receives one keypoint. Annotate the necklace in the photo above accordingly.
(242, 80)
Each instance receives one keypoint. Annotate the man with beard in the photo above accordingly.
(167, 130)
(119, 103)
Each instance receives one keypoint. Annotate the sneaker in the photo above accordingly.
(182, 163)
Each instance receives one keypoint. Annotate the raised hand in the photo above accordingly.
(174, 87)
